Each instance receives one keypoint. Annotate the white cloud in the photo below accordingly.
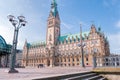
(117, 24)
(33, 31)
(110, 3)
(6, 33)
(68, 26)
(83, 23)
(114, 41)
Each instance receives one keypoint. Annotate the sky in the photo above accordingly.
(103, 13)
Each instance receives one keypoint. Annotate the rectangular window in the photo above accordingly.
(68, 60)
(73, 59)
(86, 59)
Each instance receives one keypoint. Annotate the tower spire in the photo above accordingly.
(54, 8)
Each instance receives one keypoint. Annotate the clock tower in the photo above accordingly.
(53, 25)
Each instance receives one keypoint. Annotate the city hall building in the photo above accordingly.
(63, 50)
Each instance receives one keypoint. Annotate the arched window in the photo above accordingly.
(68, 59)
(86, 58)
(65, 60)
(77, 59)
(73, 60)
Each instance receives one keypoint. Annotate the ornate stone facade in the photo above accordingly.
(64, 50)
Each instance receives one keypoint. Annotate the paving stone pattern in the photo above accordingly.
(33, 73)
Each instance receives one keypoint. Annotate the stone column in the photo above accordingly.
(52, 57)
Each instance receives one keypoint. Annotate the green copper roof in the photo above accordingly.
(2, 42)
(54, 8)
(37, 43)
(65, 37)
(4, 48)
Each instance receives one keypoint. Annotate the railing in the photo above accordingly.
(109, 61)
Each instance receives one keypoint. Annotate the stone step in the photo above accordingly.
(97, 77)
(77, 76)
(86, 76)
(80, 76)
(103, 79)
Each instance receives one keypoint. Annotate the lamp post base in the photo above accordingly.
(13, 71)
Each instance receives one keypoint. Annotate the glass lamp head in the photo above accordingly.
(11, 18)
(21, 18)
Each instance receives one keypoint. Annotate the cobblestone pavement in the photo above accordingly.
(33, 73)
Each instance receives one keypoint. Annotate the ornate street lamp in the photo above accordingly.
(17, 25)
(81, 45)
